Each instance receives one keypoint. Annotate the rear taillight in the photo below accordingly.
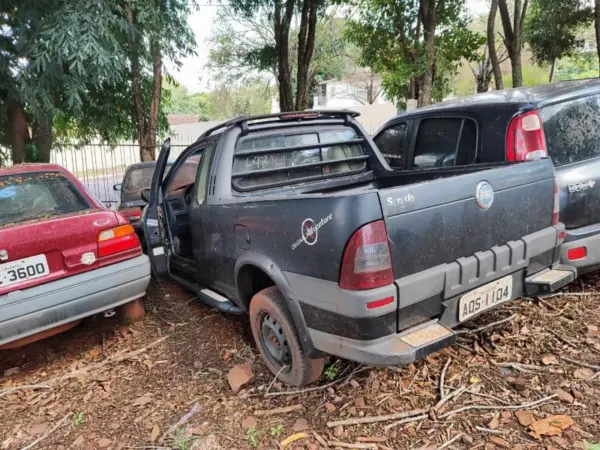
(132, 214)
(556, 210)
(525, 139)
(367, 263)
(577, 253)
(117, 240)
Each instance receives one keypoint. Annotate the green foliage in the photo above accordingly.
(78, 419)
(577, 67)
(332, 372)
(252, 436)
(532, 75)
(177, 100)
(385, 33)
(277, 430)
(250, 98)
(181, 439)
(552, 28)
(594, 447)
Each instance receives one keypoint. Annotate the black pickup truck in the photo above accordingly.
(561, 120)
(297, 220)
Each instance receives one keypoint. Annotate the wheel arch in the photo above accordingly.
(264, 272)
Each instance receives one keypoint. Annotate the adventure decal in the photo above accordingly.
(310, 231)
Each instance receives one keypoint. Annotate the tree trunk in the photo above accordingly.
(513, 35)
(306, 46)
(282, 51)
(552, 69)
(597, 26)
(491, 37)
(150, 130)
(428, 17)
(517, 73)
(42, 137)
(18, 132)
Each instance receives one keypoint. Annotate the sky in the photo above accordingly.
(191, 74)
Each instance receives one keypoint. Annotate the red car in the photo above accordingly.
(63, 255)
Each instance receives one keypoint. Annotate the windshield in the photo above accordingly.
(38, 195)
(140, 178)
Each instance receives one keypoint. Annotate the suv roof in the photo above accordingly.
(540, 95)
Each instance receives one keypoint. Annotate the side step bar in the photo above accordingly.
(549, 280)
(208, 296)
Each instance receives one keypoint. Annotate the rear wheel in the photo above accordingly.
(277, 340)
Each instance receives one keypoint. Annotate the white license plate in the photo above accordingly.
(485, 297)
(22, 270)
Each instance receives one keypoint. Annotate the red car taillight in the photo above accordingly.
(117, 240)
(132, 214)
(367, 263)
(525, 140)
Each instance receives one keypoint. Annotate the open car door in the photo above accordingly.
(153, 219)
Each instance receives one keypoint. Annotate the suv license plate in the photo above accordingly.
(23, 269)
(485, 297)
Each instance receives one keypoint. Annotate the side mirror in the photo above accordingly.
(117, 187)
(145, 194)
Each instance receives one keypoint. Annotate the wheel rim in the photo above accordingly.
(275, 341)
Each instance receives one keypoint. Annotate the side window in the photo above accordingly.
(445, 142)
(572, 130)
(202, 181)
(186, 173)
(391, 142)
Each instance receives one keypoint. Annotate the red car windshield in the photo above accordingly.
(38, 195)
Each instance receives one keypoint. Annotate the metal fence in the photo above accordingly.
(100, 166)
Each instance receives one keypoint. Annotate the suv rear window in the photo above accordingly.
(38, 195)
(281, 159)
(572, 130)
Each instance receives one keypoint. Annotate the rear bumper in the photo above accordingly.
(31, 311)
(588, 237)
(340, 323)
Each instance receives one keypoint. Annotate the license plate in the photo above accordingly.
(485, 297)
(23, 269)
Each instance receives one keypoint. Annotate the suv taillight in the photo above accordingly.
(117, 241)
(556, 209)
(367, 263)
(133, 214)
(525, 139)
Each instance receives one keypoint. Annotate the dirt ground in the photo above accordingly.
(531, 381)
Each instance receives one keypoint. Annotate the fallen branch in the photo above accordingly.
(454, 394)
(375, 419)
(569, 294)
(487, 430)
(443, 377)
(407, 420)
(318, 388)
(499, 407)
(562, 339)
(319, 438)
(284, 410)
(111, 359)
(485, 327)
(48, 433)
(572, 361)
(450, 442)
(356, 445)
(525, 368)
(23, 387)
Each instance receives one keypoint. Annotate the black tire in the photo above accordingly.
(269, 315)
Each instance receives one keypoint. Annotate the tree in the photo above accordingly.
(597, 26)
(178, 100)
(491, 41)
(417, 46)
(45, 71)
(242, 99)
(485, 70)
(552, 29)
(158, 29)
(513, 35)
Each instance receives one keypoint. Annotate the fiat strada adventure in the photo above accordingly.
(561, 120)
(63, 255)
(297, 220)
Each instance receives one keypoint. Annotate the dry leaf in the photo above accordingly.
(525, 418)
(548, 360)
(293, 438)
(143, 400)
(499, 442)
(155, 433)
(494, 423)
(583, 374)
(550, 426)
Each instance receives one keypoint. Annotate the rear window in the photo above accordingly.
(572, 130)
(38, 195)
(445, 142)
(280, 159)
(391, 144)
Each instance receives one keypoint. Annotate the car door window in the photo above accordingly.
(445, 142)
(186, 173)
(202, 182)
(391, 144)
